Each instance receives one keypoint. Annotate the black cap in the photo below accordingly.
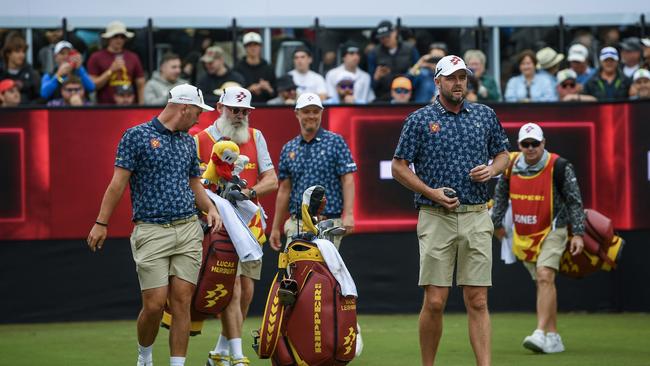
(285, 83)
(631, 44)
(350, 47)
(124, 89)
(439, 45)
(302, 49)
(384, 28)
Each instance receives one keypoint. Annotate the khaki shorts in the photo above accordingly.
(449, 238)
(160, 252)
(291, 229)
(251, 269)
(551, 252)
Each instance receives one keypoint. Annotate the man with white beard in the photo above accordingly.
(234, 108)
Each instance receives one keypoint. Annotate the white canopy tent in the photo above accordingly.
(332, 13)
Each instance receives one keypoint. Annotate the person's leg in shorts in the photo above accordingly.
(543, 272)
(154, 252)
(474, 274)
(437, 234)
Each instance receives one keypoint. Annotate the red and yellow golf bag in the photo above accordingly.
(307, 320)
(602, 248)
(216, 280)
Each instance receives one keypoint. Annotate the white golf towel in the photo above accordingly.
(235, 220)
(337, 267)
(507, 255)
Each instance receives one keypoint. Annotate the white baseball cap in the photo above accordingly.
(252, 37)
(188, 94)
(60, 46)
(608, 52)
(641, 73)
(578, 53)
(530, 131)
(449, 65)
(236, 96)
(308, 99)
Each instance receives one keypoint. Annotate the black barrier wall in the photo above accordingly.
(48, 281)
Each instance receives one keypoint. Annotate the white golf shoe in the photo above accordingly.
(536, 341)
(553, 343)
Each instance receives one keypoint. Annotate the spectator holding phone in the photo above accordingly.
(423, 71)
(115, 65)
(68, 63)
(390, 58)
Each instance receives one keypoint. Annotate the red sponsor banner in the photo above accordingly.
(56, 164)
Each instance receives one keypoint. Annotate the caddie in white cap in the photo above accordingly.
(540, 193)
(234, 108)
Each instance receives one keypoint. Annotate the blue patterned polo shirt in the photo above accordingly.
(323, 161)
(161, 163)
(444, 147)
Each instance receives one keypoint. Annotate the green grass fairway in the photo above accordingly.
(590, 339)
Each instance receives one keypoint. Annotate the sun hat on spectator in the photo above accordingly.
(60, 46)
(188, 94)
(343, 76)
(236, 97)
(640, 74)
(252, 37)
(115, 28)
(449, 65)
(530, 131)
(6, 84)
(548, 57)
(566, 74)
(212, 53)
(578, 53)
(645, 42)
(608, 52)
(384, 28)
(307, 99)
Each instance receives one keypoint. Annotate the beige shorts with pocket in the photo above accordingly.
(449, 239)
(550, 253)
(160, 252)
(250, 269)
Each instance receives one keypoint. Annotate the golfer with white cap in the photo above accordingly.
(158, 160)
(451, 143)
(235, 109)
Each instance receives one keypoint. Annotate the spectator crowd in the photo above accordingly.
(388, 69)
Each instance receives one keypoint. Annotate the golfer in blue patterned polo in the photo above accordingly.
(158, 159)
(315, 156)
(450, 144)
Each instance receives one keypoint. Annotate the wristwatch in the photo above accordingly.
(252, 194)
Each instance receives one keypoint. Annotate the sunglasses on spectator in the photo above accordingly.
(72, 90)
(401, 90)
(346, 86)
(244, 111)
(527, 144)
(568, 85)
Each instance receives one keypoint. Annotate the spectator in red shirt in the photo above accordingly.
(115, 65)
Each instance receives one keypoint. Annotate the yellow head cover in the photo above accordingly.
(224, 154)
